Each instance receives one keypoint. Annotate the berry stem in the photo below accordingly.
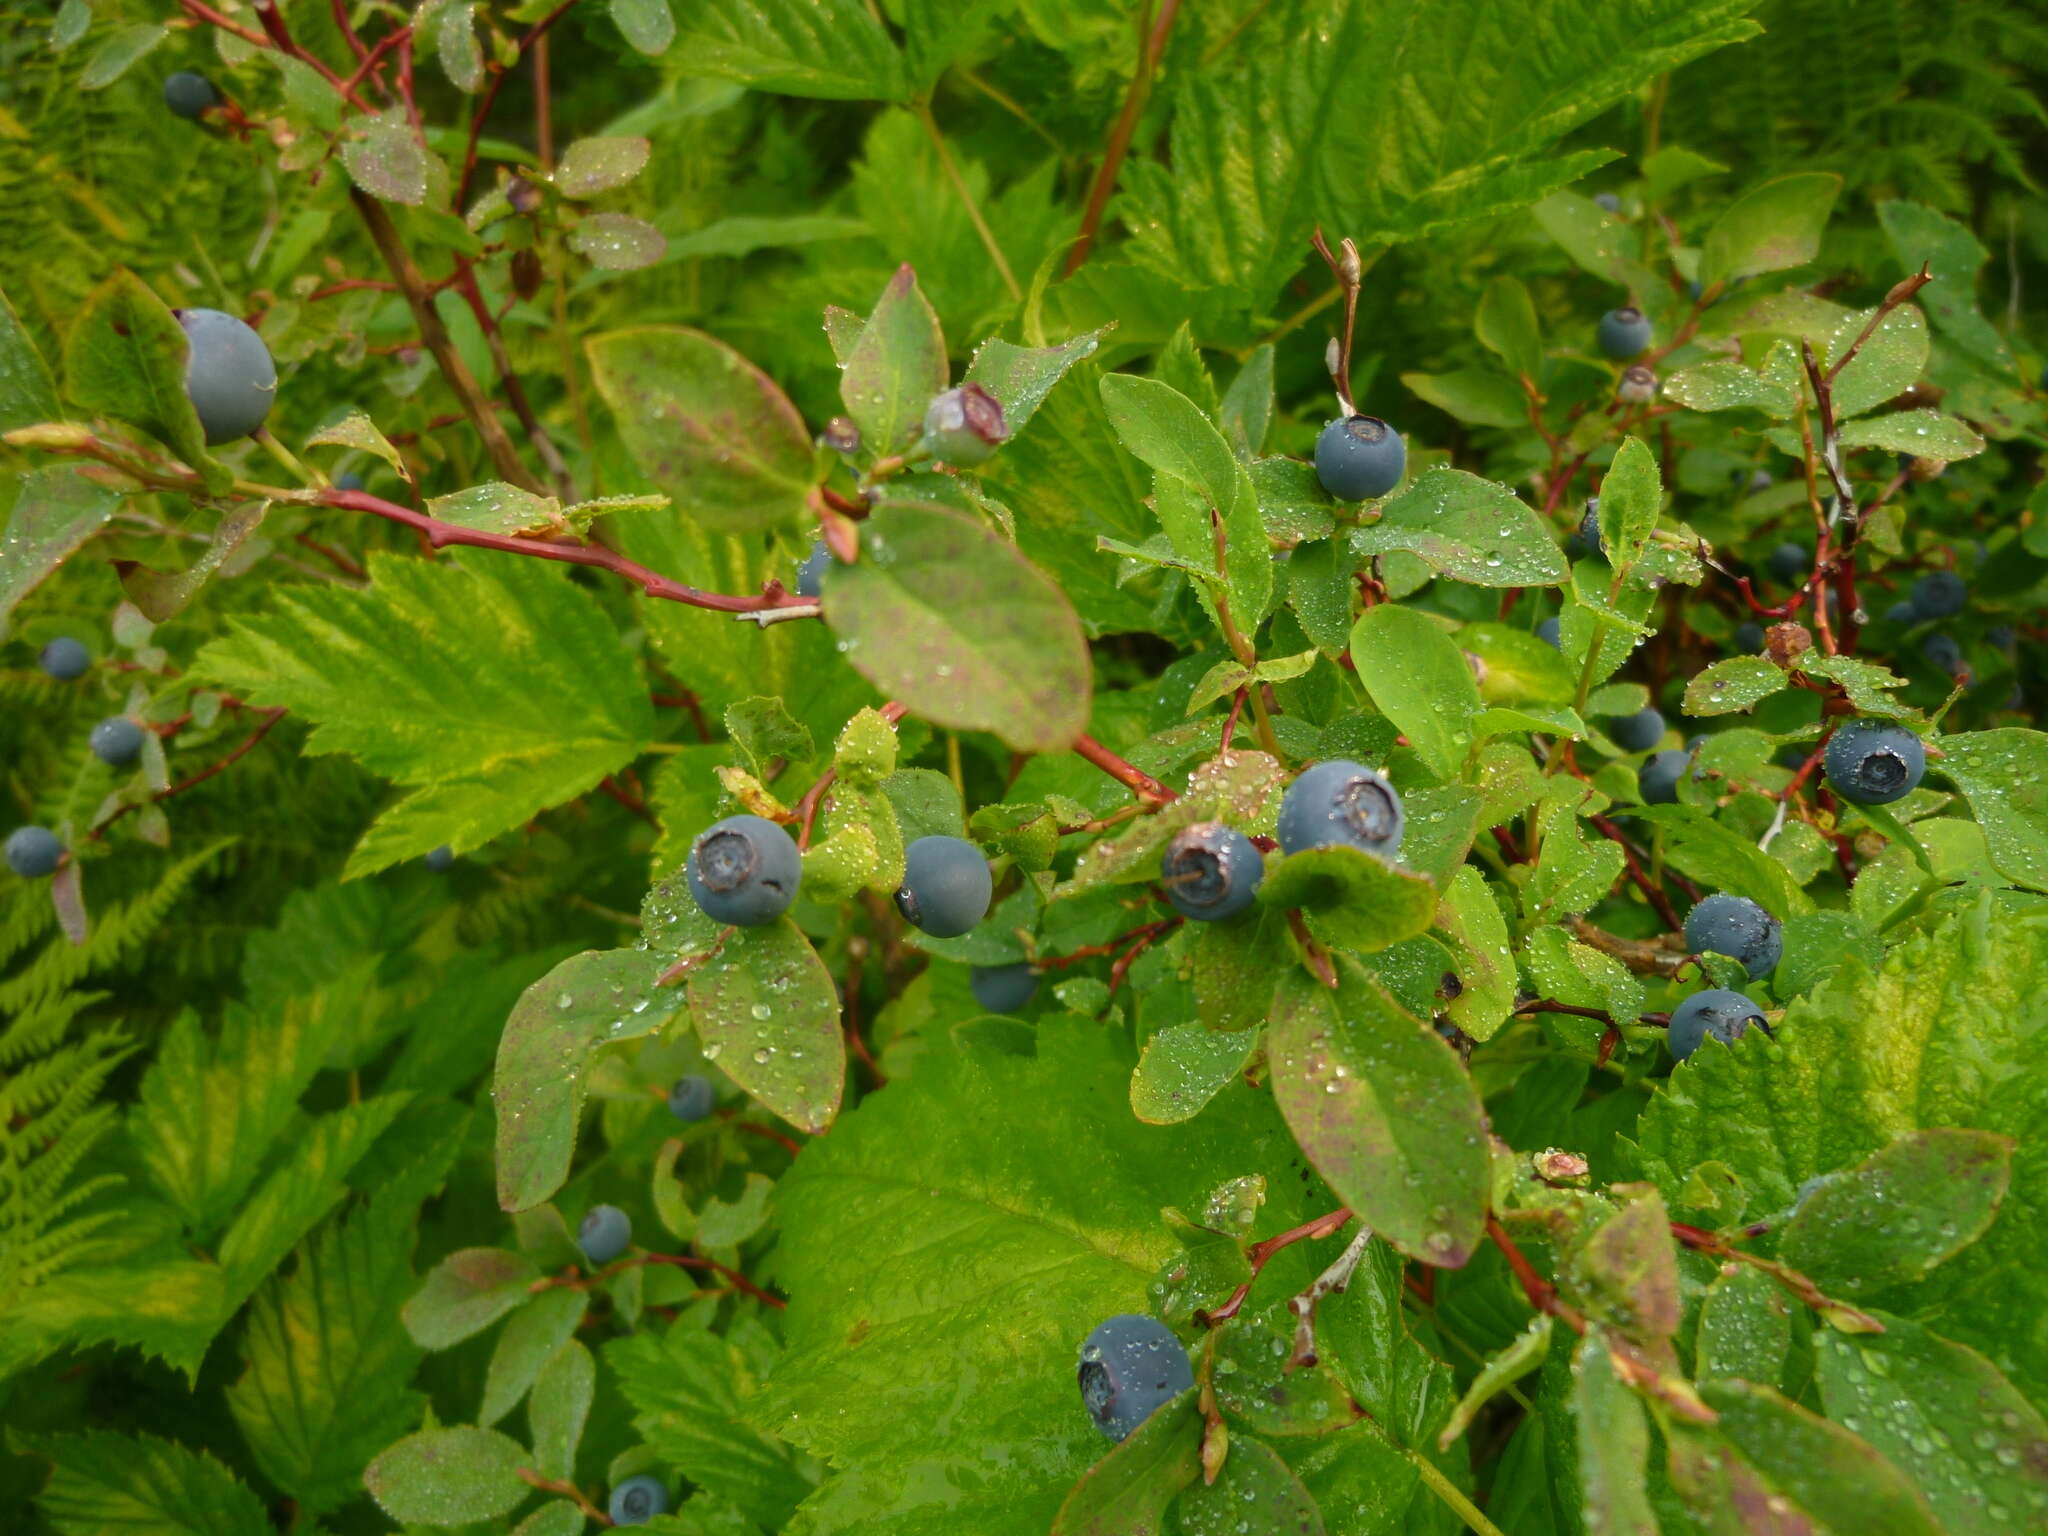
(1147, 788)
(1541, 1294)
(1118, 144)
(1261, 1253)
(555, 1486)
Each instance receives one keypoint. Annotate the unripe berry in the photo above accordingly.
(963, 425)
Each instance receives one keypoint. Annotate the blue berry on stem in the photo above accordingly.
(65, 659)
(1736, 927)
(810, 576)
(229, 375)
(440, 860)
(1658, 778)
(1211, 871)
(604, 1233)
(33, 852)
(1790, 562)
(1550, 632)
(1004, 988)
(744, 870)
(637, 1500)
(1939, 595)
(117, 741)
(946, 886)
(1341, 802)
(189, 95)
(1874, 762)
(1624, 332)
(693, 1098)
(1640, 731)
(1725, 1015)
(1360, 457)
(1131, 1366)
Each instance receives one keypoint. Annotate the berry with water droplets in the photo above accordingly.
(1341, 802)
(946, 886)
(1211, 871)
(1360, 457)
(744, 870)
(1131, 1366)
(1736, 927)
(1725, 1015)
(1874, 762)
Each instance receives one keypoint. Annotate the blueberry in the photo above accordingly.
(189, 95)
(1211, 871)
(1793, 757)
(692, 1099)
(1341, 802)
(2002, 637)
(1131, 1366)
(1004, 988)
(1901, 613)
(1718, 1012)
(744, 870)
(1736, 927)
(33, 852)
(117, 741)
(1640, 731)
(1548, 633)
(1624, 332)
(946, 886)
(64, 659)
(1939, 595)
(964, 425)
(1874, 762)
(1790, 563)
(1749, 636)
(1657, 780)
(1587, 540)
(1760, 481)
(638, 1500)
(348, 480)
(229, 376)
(1360, 457)
(1608, 200)
(604, 1233)
(1943, 654)
(810, 576)
(440, 860)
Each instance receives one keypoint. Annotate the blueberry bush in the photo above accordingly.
(886, 769)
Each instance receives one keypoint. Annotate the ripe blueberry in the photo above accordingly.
(1549, 632)
(1719, 1012)
(810, 576)
(1211, 871)
(1341, 802)
(117, 741)
(744, 870)
(64, 659)
(604, 1233)
(1790, 562)
(1587, 540)
(964, 425)
(1640, 731)
(1943, 654)
(1902, 613)
(188, 95)
(1736, 927)
(1939, 595)
(229, 375)
(1624, 332)
(946, 886)
(1749, 636)
(1657, 780)
(348, 480)
(33, 852)
(1874, 762)
(1360, 457)
(692, 1099)
(1608, 200)
(440, 860)
(1004, 988)
(638, 1500)
(1131, 1365)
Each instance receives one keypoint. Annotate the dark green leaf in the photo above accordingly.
(1256, 1494)
(1128, 1491)
(896, 367)
(1468, 529)
(1420, 680)
(1769, 228)
(125, 357)
(1822, 1467)
(107, 1483)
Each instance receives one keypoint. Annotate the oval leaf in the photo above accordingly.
(768, 1013)
(448, 1476)
(591, 166)
(618, 242)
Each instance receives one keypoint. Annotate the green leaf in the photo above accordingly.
(594, 165)
(2004, 776)
(455, 44)
(896, 367)
(1501, 1371)
(355, 430)
(648, 25)
(448, 1476)
(55, 511)
(1627, 1271)
(1127, 1493)
(768, 1013)
(27, 392)
(118, 54)
(467, 1292)
(1716, 856)
(617, 242)
(947, 617)
(1890, 362)
(1183, 1067)
(1246, 411)
(1614, 1443)
(1419, 679)
(525, 1344)
(532, 698)
(1471, 920)
(124, 357)
(1477, 396)
(1826, 1470)
(1723, 384)
(1769, 228)
(559, 1405)
(1506, 326)
(1745, 1326)
(1866, 683)
(1920, 235)
(832, 49)
(1630, 498)
(1732, 685)
(1919, 434)
(107, 1482)
(1468, 529)
(1021, 377)
(707, 427)
(1943, 1415)
(1600, 242)
(594, 999)
(1352, 898)
(1384, 1110)
(1902, 1211)
(386, 159)
(1256, 1494)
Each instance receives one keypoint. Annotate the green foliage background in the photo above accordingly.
(294, 1131)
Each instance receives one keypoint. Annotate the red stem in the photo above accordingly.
(1261, 1253)
(1644, 883)
(1119, 141)
(1133, 778)
(489, 98)
(1541, 1293)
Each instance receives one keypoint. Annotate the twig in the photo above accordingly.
(556, 1486)
(1261, 1253)
(248, 744)
(1844, 1316)
(1653, 892)
(632, 802)
(1133, 778)
(1119, 141)
(1542, 1295)
(490, 95)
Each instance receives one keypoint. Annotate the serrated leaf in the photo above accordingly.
(896, 367)
(1384, 1110)
(1900, 1212)
(705, 425)
(836, 50)
(617, 242)
(356, 430)
(448, 1476)
(594, 165)
(27, 392)
(106, 1482)
(386, 159)
(1866, 683)
(1419, 679)
(953, 621)
(531, 697)
(2001, 773)
(768, 1013)
(1732, 685)
(1468, 529)
(1769, 228)
(544, 1056)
